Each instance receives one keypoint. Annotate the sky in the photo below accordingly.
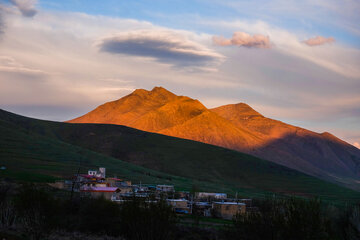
(295, 61)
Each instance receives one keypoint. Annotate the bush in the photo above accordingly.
(99, 216)
(351, 223)
(283, 219)
(7, 210)
(36, 211)
(147, 220)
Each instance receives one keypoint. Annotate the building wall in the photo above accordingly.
(106, 195)
(178, 204)
(228, 211)
(125, 189)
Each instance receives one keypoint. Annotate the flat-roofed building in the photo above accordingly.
(106, 192)
(179, 205)
(227, 210)
(165, 188)
(209, 196)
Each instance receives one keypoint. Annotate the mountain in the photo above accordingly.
(237, 127)
(38, 150)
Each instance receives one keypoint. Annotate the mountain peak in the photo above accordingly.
(140, 92)
(159, 89)
(157, 93)
(238, 109)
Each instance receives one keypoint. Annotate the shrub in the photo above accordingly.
(36, 211)
(100, 216)
(147, 220)
(283, 219)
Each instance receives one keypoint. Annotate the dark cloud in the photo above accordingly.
(163, 46)
(26, 7)
(245, 40)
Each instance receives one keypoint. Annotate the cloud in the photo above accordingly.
(164, 46)
(319, 40)
(356, 144)
(335, 57)
(244, 39)
(26, 7)
(1, 23)
(10, 65)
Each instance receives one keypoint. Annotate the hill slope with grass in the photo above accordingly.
(237, 127)
(43, 150)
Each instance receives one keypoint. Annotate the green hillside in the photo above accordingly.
(39, 150)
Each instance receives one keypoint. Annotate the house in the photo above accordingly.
(106, 192)
(202, 208)
(165, 188)
(183, 194)
(99, 174)
(179, 205)
(227, 210)
(140, 189)
(247, 201)
(209, 196)
(117, 182)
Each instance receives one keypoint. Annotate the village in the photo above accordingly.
(207, 204)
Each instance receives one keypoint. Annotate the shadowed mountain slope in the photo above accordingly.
(39, 149)
(237, 127)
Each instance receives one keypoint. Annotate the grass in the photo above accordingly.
(36, 150)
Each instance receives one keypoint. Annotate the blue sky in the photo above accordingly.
(296, 61)
(321, 19)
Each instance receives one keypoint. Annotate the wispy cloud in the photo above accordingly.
(10, 65)
(26, 7)
(319, 40)
(1, 23)
(334, 13)
(245, 40)
(162, 45)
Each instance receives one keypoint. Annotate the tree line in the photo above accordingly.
(32, 212)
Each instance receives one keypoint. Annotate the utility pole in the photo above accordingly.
(73, 184)
(191, 203)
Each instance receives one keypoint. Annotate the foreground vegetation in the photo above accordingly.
(29, 212)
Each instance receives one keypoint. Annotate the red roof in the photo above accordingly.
(90, 176)
(116, 179)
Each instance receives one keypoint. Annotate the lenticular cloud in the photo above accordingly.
(163, 46)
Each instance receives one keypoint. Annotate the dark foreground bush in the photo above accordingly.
(39, 214)
(34, 213)
(294, 219)
(147, 220)
(100, 216)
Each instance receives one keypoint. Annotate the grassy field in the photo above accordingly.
(36, 150)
